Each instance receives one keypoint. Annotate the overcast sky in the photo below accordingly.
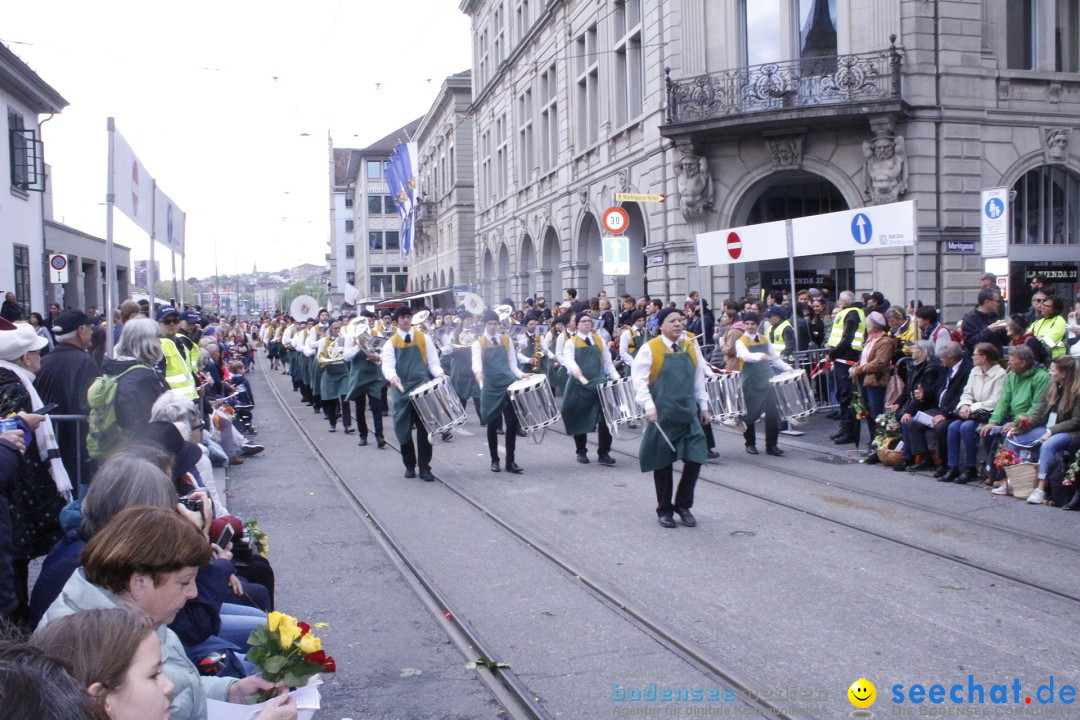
(215, 99)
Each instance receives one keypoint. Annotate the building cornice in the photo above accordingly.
(26, 85)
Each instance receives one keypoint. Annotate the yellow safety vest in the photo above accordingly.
(837, 334)
(178, 374)
(776, 336)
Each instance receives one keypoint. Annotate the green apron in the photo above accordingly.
(678, 415)
(365, 378)
(755, 381)
(497, 377)
(334, 380)
(581, 403)
(413, 372)
(295, 367)
(462, 378)
(555, 371)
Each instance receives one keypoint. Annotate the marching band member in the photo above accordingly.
(409, 360)
(366, 386)
(631, 339)
(669, 382)
(589, 365)
(334, 380)
(757, 359)
(494, 364)
(310, 347)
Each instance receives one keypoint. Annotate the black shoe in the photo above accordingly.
(410, 472)
(333, 428)
(943, 471)
(427, 476)
(583, 458)
(921, 465)
(845, 439)
(380, 442)
(774, 451)
(666, 520)
(495, 467)
(1073, 504)
(251, 449)
(513, 467)
(605, 459)
(687, 519)
(903, 466)
(967, 476)
(951, 475)
(837, 434)
(349, 430)
(713, 455)
(447, 435)
(363, 441)
(522, 433)
(500, 431)
(751, 450)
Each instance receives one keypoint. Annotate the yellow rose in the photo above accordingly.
(273, 619)
(287, 635)
(310, 644)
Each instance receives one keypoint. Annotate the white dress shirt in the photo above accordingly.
(478, 356)
(389, 357)
(642, 367)
(767, 355)
(569, 350)
(624, 344)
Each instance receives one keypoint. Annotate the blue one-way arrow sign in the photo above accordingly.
(861, 229)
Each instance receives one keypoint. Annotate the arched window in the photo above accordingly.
(1046, 207)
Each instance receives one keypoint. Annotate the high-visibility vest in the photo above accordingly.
(776, 336)
(177, 372)
(837, 334)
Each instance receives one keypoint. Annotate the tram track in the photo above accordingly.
(516, 698)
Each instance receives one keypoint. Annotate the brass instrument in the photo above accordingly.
(419, 321)
(538, 354)
(504, 312)
(468, 333)
(333, 353)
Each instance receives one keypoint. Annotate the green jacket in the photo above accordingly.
(1020, 394)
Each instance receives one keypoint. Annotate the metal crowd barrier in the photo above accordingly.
(819, 370)
(79, 420)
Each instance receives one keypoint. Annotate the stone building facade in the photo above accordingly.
(444, 253)
(771, 110)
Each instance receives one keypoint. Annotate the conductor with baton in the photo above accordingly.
(669, 382)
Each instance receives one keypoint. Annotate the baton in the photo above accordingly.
(664, 435)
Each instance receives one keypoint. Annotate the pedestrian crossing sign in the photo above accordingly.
(616, 255)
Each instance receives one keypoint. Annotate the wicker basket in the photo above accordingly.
(1023, 479)
(890, 457)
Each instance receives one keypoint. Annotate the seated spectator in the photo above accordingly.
(980, 396)
(1048, 428)
(1018, 334)
(34, 684)
(1024, 385)
(921, 395)
(121, 569)
(1050, 327)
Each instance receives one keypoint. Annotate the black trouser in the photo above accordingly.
(376, 415)
(772, 425)
(510, 418)
(844, 391)
(332, 407)
(684, 497)
(710, 439)
(316, 400)
(408, 450)
(603, 438)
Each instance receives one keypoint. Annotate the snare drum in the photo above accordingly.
(534, 404)
(726, 401)
(793, 396)
(625, 418)
(438, 406)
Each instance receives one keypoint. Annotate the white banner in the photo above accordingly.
(132, 185)
(869, 228)
(750, 243)
(168, 223)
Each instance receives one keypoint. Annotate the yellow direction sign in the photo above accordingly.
(638, 197)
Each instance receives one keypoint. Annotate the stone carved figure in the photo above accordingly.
(886, 168)
(695, 185)
(785, 152)
(1057, 145)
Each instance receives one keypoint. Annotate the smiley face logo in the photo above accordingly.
(862, 693)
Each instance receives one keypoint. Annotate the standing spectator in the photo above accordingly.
(929, 327)
(54, 313)
(42, 485)
(873, 370)
(65, 376)
(846, 343)
(127, 310)
(983, 324)
(819, 313)
(38, 323)
(11, 310)
(987, 280)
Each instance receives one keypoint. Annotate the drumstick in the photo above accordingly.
(664, 435)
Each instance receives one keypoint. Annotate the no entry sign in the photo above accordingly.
(734, 245)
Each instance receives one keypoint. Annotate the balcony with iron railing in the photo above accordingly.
(779, 91)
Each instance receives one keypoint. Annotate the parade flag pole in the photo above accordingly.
(110, 198)
(153, 235)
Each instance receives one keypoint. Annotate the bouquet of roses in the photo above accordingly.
(259, 538)
(887, 430)
(858, 404)
(286, 650)
(1072, 473)
(1005, 458)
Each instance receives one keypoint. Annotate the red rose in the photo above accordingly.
(304, 628)
(322, 659)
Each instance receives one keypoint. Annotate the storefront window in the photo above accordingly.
(1045, 209)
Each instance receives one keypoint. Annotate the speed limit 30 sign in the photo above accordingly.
(615, 220)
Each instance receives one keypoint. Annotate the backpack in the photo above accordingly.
(104, 435)
(954, 334)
